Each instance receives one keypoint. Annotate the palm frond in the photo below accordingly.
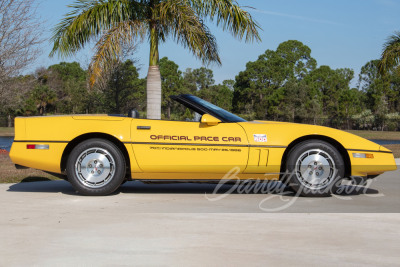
(229, 15)
(89, 19)
(179, 20)
(108, 48)
(391, 54)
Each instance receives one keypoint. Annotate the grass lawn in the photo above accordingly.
(5, 131)
(377, 135)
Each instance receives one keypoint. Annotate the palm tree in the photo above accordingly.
(391, 54)
(118, 23)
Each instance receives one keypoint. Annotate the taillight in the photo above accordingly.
(37, 146)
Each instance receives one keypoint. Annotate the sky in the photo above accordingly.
(340, 33)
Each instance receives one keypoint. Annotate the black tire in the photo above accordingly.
(314, 169)
(96, 167)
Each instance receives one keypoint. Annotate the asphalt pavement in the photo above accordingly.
(49, 224)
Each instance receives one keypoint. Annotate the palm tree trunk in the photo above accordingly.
(154, 79)
(154, 93)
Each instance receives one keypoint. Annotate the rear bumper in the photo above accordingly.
(46, 160)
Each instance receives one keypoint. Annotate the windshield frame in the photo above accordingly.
(202, 107)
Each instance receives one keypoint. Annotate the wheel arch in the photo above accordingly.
(336, 144)
(73, 143)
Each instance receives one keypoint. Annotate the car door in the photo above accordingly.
(188, 147)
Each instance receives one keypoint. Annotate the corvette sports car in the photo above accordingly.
(97, 153)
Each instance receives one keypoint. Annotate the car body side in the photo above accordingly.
(152, 152)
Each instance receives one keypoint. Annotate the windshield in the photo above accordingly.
(215, 110)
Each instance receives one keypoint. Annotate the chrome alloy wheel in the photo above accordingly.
(315, 169)
(95, 167)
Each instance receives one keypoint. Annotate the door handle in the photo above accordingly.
(144, 127)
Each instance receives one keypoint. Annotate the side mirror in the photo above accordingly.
(209, 120)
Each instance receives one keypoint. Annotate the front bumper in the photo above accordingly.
(381, 162)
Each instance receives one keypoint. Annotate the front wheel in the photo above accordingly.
(96, 167)
(314, 169)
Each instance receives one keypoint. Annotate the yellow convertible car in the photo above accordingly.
(97, 153)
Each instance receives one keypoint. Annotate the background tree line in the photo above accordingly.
(284, 85)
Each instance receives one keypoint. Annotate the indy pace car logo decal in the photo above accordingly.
(262, 138)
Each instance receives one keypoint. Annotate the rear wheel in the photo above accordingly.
(96, 167)
(314, 169)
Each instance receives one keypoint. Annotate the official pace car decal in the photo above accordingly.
(196, 138)
(260, 138)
